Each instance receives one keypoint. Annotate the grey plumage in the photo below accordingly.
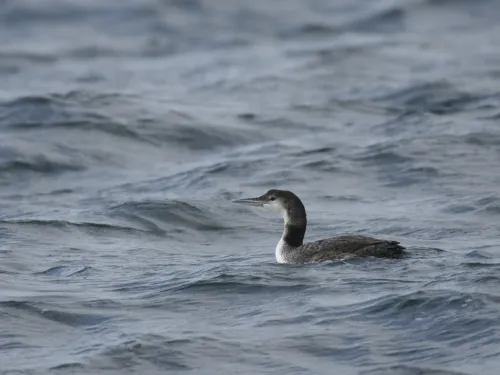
(342, 248)
(291, 248)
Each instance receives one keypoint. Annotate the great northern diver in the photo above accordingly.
(291, 248)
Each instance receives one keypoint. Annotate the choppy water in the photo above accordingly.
(126, 128)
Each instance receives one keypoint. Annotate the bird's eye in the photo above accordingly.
(272, 198)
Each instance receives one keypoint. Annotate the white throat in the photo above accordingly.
(277, 206)
(282, 247)
(280, 251)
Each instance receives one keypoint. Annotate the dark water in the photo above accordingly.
(126, 128)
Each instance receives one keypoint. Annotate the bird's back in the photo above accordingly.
(343, 247)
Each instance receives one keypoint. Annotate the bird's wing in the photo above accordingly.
(343, 247)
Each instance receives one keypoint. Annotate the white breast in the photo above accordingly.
(280, 252)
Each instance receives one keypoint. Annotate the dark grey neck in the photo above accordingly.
(295, 223)
(294, 235)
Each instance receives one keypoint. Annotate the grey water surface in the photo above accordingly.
(128, 127)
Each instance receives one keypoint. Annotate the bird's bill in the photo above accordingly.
(250, 201)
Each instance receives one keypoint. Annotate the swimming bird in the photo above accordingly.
(291, 248)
